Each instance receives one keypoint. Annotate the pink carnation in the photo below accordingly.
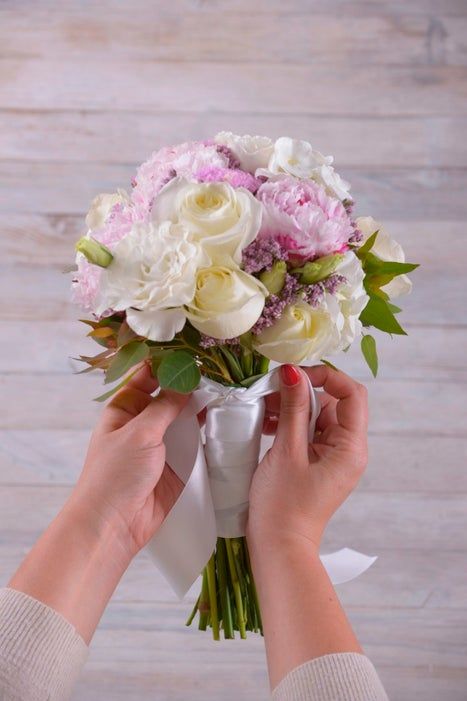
(233, 176)
(182, 160)
(303, 218)
(87, 278)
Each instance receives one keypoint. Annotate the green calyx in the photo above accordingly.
(317, 270)
(274, 278)
(95, 252)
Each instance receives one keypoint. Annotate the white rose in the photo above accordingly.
(227, 301)
(350, 299)
(298, 158)
(387, 249)
(302, 333)
(152, 275)
(101, 207)
(223, 219)
(252, 152)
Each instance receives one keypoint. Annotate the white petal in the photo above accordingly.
(400, 285)
(157, 325)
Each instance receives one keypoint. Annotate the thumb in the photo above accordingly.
(294, 412)
(162, 411)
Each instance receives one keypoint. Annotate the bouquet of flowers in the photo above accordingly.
(228, 254)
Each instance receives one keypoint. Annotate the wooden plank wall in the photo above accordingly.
(87, 90)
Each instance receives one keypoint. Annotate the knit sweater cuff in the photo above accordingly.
(345, 676)
(40, 651)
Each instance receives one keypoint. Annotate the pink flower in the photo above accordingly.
(233, 176)
(182, 160)
(303, 218)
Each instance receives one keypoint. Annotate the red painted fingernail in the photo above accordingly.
(290, 375)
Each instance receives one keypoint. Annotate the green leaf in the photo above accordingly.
(394, 308)
(329, 364)
(115, 389)
(125, 334)
(367, 246)
(126, 358)
(157, 354)
(248, 381)
(368, 346)
(178, 371)
(392, 268)
(378, 314)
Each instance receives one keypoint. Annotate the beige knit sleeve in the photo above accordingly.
(345, 676)
(41, 654)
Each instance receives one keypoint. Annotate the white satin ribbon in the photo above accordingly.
(217, 479)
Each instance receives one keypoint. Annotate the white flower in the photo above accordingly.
(101, 207)
(298, 158)
(251, 151)
(227, 301)
(152, 275)
(348, 302)
(223, 219)
(302, 333)
(387, 249)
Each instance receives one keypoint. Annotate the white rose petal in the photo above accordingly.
(386, 248)
(101, 207)
(223, 219)
(227, 302)
(302, 333)
(298, 158)
(153, 270)
(157, 325)
(252, 152)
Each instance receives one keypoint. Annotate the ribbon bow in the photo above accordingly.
(217, 477)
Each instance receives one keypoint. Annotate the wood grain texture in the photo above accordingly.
(92, 136)
(317, 38)
(276, 87)
(87, 91)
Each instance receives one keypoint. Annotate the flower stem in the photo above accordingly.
(204, 603)
(236, 588)
(224, 594)
(212, 590)
(194, 612)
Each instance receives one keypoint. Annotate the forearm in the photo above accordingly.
(302, 616)
(75, 566)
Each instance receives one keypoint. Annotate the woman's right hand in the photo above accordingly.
(298, 486)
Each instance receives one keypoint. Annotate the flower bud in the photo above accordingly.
(274, 279)
(95, 252)
(317, 270)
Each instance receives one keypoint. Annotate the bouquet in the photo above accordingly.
(228, 254)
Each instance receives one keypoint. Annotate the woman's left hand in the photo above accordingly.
(126, 479)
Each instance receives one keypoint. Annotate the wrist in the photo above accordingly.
(100, 531)
(270, 547)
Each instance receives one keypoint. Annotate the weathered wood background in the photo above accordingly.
(89, 89)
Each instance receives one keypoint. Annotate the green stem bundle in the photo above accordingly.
(228, 599)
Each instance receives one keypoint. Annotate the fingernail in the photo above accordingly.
(290, 375)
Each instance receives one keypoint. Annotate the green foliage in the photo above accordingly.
(114, 390)
(368, 346)
(128, 356)
(317, 270)
(178, 371)
(377, 313)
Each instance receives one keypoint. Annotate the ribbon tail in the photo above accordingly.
(346, 564)
(187, 537)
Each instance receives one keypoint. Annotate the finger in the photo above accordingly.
(352, 405)
(328, 413)
(292, 427)
(144, 380)
(161, 412)
(123, 407)
(270, 425)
